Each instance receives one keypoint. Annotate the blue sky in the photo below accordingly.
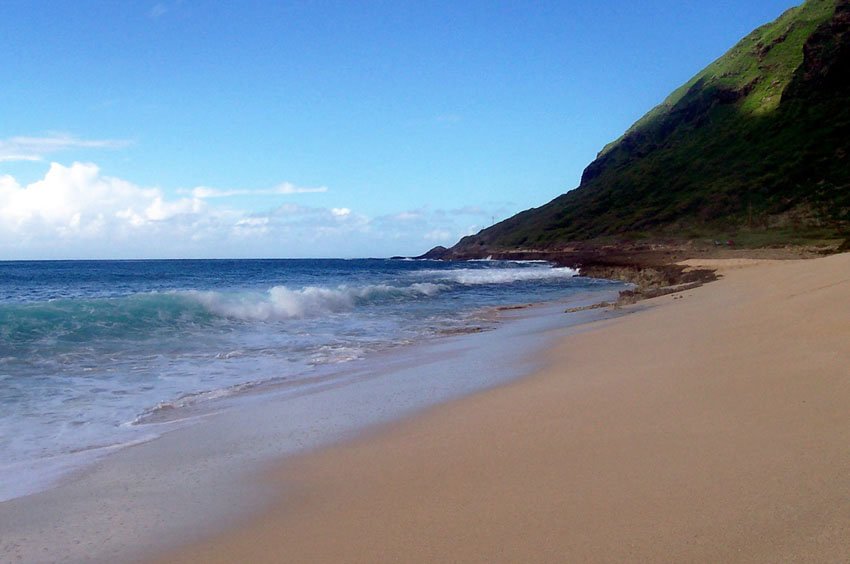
(295, 129)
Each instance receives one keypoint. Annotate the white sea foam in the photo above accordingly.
(84, 363)
(173, 410)
(472, 277)
(337, 354)
(280, 302)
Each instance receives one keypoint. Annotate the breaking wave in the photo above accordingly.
(91, 349)
(139, 316)
(472, 277)
(280, 302)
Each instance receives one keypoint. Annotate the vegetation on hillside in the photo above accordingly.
(757, 144)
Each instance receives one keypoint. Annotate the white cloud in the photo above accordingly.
(287, 188)
(78, 200)
(312, 221)
(281, 189)
(37, 148)
(77, 212)
(12, 157)
(438, 226)
(251, 227)
(407, 216)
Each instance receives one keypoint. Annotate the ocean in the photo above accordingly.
(95, 355)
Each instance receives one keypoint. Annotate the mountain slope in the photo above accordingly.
(757, 143)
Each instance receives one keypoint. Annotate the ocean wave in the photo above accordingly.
(479, 276)
(75, 321)
(280, 302)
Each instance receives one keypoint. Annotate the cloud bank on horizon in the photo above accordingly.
(169, 128)
(76, 211)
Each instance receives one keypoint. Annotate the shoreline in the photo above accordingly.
(711, 427)
(25, 476)
(201, 478)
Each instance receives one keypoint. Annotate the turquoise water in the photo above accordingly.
(91, 352)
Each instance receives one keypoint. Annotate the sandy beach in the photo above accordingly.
(711, 426)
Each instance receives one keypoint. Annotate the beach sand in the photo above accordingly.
(713, 426)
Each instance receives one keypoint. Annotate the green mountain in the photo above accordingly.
(756, 147)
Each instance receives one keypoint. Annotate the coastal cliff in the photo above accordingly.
(755, 149)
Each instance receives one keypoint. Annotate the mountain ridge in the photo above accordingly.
(754, 146)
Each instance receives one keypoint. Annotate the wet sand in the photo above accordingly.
(712, 427)
(200, 475)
